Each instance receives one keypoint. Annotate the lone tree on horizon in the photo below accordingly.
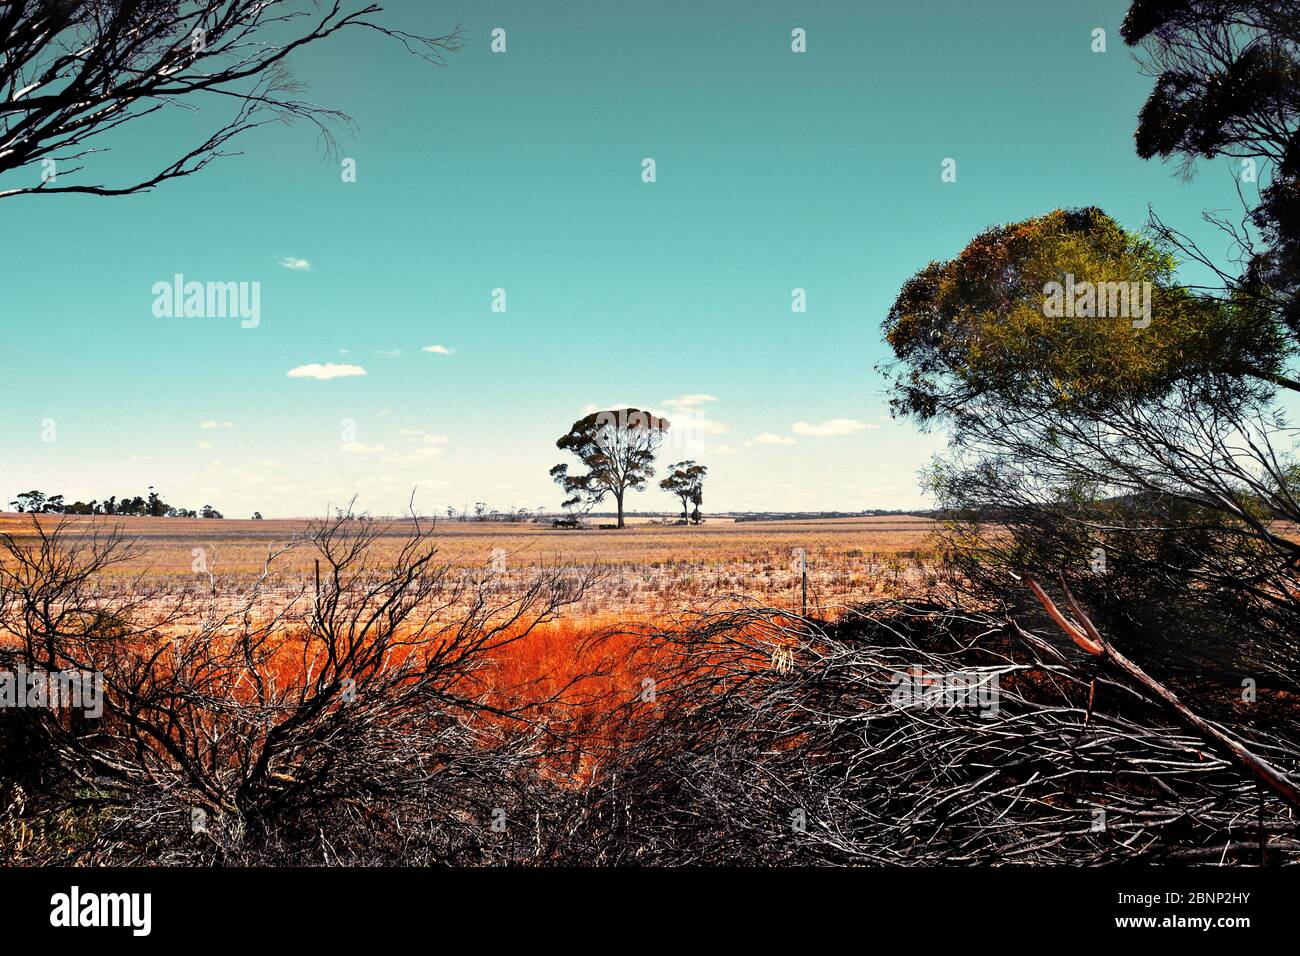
(617, 447)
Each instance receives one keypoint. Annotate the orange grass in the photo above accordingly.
(571, 672)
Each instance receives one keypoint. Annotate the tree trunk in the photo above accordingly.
(619, 498)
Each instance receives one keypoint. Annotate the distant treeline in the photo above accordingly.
(482, 512)
(150, 506)
(793, 515)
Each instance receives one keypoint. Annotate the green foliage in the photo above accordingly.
(984, 326)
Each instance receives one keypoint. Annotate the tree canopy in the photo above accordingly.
(982, 328)
(1228, 85)
(617, 447)
(1153, 468)
(686, 480)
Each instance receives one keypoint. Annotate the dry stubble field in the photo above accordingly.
(647, 568)
(647, 573)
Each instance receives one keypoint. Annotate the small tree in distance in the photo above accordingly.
(32, 501)
(686, 481)
(617, 447)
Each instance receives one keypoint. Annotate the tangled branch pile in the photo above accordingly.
(821, 759)
(351, 723)
(359, 723)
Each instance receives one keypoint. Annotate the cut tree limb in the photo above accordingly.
(1086, 635)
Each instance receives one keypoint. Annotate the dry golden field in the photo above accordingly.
(645, 568)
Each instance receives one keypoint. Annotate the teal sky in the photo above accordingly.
(522, 171)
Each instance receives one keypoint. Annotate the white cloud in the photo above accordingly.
(767, 438)
(205, 444)
(687, 401)
(420, 435)
(389, 353)
(356, 448)
(247, 476)
(695, 423)
(833, 426)
(590, 409)
(413, 456)
(295, 264)
(327, 371)
(438, 350)
(723, 450)
(688, 428)
(212, 423)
